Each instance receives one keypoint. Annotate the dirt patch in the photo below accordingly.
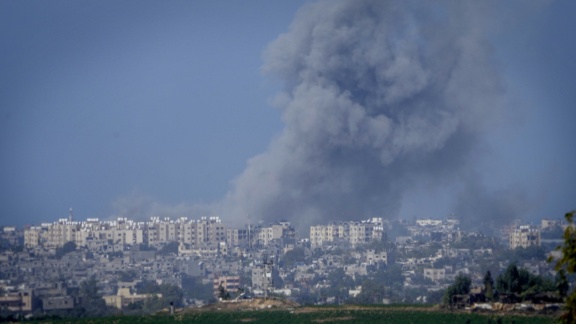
(277, 304)
(334, 319)
(249, 304)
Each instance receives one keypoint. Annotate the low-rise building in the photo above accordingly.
(51, 303)
(17, 302)
(124, 298)
(229, 283)
(376, 257)
(435, 274)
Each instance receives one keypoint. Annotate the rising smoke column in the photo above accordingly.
(379, 95)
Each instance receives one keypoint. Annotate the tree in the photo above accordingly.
(143, 247)
(126, 275)
(373, 292)
(509, 281)
(523, 283)
(170, 248)
(390, 276)
(435, 296)
(384, 283)
(170, 294)
(566, 267)
(134, 308)
(194, 288)
(461, 286)
(293, 256)
(92, 302)
(562, 285)
(152, 304)
(89, 289)
(488, 285)
(339, 284)
(223, 293)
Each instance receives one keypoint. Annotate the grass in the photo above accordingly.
(381, 314)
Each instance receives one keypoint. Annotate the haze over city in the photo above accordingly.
(302, 110)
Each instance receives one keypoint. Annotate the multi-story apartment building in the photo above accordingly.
(230, 284)
(237, 236)
(524, 236)
(428, 222)
(373, 257)
(167, 230)
(120, 232)
(34, 236)
(547, 224)
(352, 232)
(213, 229)
(61, 232)
(320, 234)
(265, 235)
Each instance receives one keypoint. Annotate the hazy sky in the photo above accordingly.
(123, 108)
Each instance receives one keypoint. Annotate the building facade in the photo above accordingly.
(524, 236)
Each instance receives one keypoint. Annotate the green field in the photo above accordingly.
(322, 315)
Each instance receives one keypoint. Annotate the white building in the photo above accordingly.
(524, 236)
(435, 274)
(353, 232)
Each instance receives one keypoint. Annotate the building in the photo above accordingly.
(229, 283)
(124, 298)
(33, 235)
(17, 302)
(549, 224)
(263, 277)
(61, 232)
(373, 257)
(264, 236)
(237, 236)
(428, 222)
(435, 274)
(524, 236)
(117, 234)
(51, 303)
(353, 232)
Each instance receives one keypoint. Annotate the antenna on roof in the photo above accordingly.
(70, 215)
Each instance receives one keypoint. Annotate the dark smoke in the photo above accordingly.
(379, 96)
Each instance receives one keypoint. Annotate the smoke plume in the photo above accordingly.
(378, 96)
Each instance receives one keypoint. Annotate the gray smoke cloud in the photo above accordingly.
(379, 96)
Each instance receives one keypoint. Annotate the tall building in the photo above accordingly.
(524, 236)
(33, 236)
(266, 235)
(237, 236)
(62, 232)
(353, 232)
(121, 232)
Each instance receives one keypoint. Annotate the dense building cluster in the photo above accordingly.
(43, 268)
(122, 232)
(204, 234)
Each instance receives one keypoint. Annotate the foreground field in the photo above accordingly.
(343, 314)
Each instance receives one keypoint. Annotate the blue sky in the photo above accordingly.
(103, 100)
